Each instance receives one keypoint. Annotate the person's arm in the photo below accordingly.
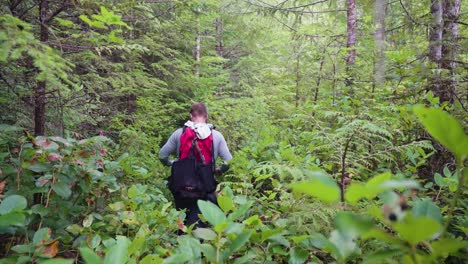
(169, 148)
(225, 154)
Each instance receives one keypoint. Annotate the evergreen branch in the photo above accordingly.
(409, 15)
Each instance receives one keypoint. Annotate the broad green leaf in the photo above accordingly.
(209, 252)
(352, 225)
(355, 192)
(375, 186)
(62, 189)
(378, 179)
(89, 256)
(320, 186)
(369, 190)
(345, 245)
(151, 259)
(28, 248)
(297, 256)
(74, 229)
(427, 208)
(177, 258)
(57, 261)
(8, 128)
(415, 230)
(42, 235)
(95, 241)
(266, 234)
(320, 241)
(13, 203)
(379, 234)
(204, 233)
(138, 245)
(413, 259)
(381, 256)
(447, 172)
(88, 220)
(241, 211)
(20, 260)
(445, 129)
(253, 220)
(39, 167)
(225, 203)
(398, 184)
(117, 206)
(133, 192)
(189, 247)
(233, 227)
(447, 246)
(12, 219)
(237, 243)
(439, 180)
(40, 210)
(247, 258)
(299, 239)
(211, 212)
(280, 239)
(117, 254)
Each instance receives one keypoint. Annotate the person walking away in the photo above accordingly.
(192, 178)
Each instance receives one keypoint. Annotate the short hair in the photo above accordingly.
(199, 109)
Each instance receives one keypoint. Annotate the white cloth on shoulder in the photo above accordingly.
(202, 130)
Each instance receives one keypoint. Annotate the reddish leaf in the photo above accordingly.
(43, 142)
(43, 181)
(2, 184)
(78, 162)
(181, 225)
(51, 250)
(103, 152)
(83, 154)
(54, 157)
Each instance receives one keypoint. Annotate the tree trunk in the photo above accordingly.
(351, 42)
(435, 45)
(219, 36)
(297, 66)
(319, 79)
(435, 38)
(351, 30)
(39, 92)
(449, 49)
(198, 50)
(379, 39)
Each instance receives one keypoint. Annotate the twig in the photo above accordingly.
(409, 16)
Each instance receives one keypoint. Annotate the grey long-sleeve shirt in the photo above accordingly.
(173, 144)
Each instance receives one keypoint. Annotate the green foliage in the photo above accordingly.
(446, 129)
(320, 186)
(17, 41)
(303, 127)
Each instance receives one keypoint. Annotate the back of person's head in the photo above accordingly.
(199, 110)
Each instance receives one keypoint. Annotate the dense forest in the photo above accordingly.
(347, 121)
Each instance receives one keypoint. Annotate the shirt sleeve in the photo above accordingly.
(223, 150)
(171, 145)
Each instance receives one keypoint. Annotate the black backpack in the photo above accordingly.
(190, 178)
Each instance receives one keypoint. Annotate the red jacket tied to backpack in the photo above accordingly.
(205, 145)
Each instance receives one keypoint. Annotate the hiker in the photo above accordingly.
(192, 178)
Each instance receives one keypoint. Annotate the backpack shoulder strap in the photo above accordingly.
(180, 142)
(213, 159)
